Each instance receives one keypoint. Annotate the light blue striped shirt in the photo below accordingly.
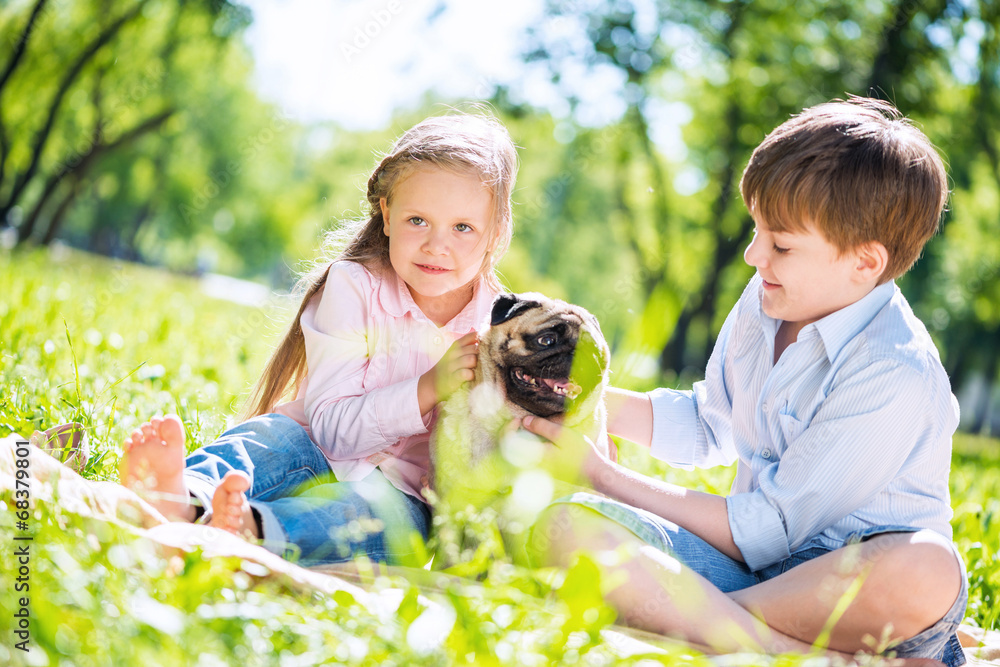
(850, 430)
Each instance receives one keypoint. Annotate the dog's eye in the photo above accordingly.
(547, 340)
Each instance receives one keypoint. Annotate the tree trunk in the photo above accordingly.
(983, 411)
(660, 206)
(22, 180)
(15, 60)
(129, 248)
(702, 303)
(672, 354)
(22, 44)
(83, 166)
(57, 216)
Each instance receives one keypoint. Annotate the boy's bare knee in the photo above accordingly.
(922, 578)
(540, 544)
(563, 529)
(554, 538)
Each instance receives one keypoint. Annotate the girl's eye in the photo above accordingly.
(780, 251)
(462, 227)
(416, 221)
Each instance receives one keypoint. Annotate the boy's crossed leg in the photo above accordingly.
(782, 615)
(896, 583)
(658, 593)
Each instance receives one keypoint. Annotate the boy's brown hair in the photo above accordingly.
(858, 171)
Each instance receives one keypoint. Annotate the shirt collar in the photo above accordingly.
(393, 295)
(476, 314)
(839, 327)
(396, 300)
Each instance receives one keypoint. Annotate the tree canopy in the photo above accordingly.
(133, 129)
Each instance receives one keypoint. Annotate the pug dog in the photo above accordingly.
(539, 356)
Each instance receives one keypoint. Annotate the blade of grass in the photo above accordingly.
(76, 365)
(823, 639)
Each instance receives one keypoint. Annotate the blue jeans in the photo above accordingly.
(938, 642)
(304, 513)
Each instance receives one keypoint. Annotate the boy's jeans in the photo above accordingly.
(305, 514)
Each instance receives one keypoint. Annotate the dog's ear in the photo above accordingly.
(593, 322)
(507, 306)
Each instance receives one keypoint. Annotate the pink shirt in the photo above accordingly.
(367, 343)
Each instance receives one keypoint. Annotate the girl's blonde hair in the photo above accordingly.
(466, 143)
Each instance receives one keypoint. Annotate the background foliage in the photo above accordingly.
(138, 134)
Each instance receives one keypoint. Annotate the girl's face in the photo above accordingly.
(439, 229)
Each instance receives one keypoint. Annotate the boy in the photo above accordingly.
(831, 395)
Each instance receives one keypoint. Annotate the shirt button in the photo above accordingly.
(437, 340)
(766, 453)
(767, 406)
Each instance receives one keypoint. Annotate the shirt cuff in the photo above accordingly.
(757, 530)
(675, 425)
(398, 411)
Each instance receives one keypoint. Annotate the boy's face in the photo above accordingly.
(805, 276)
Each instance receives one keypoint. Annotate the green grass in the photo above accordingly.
(111, 345)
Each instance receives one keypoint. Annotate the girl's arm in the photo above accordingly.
(348, 415)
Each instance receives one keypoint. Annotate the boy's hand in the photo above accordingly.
(455, 368)
(575, 455)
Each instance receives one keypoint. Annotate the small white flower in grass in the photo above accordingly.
(385, 603)
(168, 620)
(357, 648)
(120, 556)
(429, 630)
(504, 651)
(209, 660)
(503, 616)
(532, 492)
(93, 337)
(8, 237)
(151, 372)
(254, 569)
(522, 449)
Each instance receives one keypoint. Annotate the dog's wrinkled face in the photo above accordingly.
(548, 356)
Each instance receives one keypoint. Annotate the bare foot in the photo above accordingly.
(153, 467)
(230, 508)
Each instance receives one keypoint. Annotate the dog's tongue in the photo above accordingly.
(553, 382)
(563, 386)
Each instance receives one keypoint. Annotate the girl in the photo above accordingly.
(382, 335)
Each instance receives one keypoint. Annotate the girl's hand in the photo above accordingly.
(456, 367)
